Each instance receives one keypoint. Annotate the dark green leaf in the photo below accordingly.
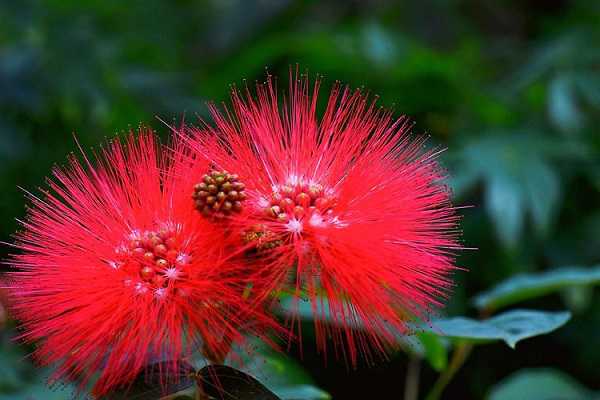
(588, 85)
(13, 364)
(227, 383)
(540, 384)
(504, 202)
(40, 391)
(155, 384)
(545, 57)
(562, 106)
(541, 188)
(527, 286)
(511, 326)
(519, 180)
(281, 374)
(21, 380)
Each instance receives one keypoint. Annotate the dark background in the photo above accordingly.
(511, 88)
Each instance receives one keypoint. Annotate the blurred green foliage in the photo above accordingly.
(510, 88)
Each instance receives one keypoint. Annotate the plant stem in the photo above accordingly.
(460, 355)
(411, 386)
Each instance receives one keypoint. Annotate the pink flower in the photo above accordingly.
(117, 270)
(350, 206)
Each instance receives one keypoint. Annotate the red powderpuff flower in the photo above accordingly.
(117, 270)
(350, 206)
(2, 309)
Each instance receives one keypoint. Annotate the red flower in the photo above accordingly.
(2, 309)
(350, 205)
(118, 271)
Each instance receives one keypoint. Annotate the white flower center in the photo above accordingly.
(172, 273)
(160, 293)
(294, 226)
(316, 220)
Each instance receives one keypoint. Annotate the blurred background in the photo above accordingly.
(510, 88)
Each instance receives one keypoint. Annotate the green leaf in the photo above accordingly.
(540, 384)
(434, 350)
(541, 188)
(14, 366)
(588, 85)
(504, 203)
(562, 105)
(519, 180)
(511, 327)
(527, 286)
(21, 380)
(41, 391)
(227, 383)
(544, 58)
(151, 384)
(301, 392)
(281, 374)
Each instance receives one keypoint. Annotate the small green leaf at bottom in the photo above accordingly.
(154, 383)
(227, 383)
(283, 375)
